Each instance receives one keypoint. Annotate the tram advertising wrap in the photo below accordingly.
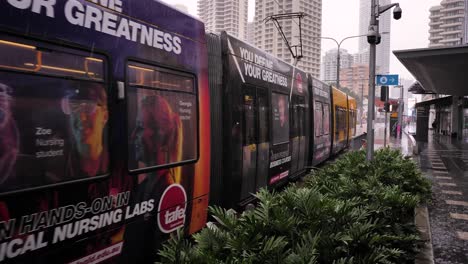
(106, 147)
(280, 158)
(104, 130)
(53, 130)
(322, 128)
(257, 111)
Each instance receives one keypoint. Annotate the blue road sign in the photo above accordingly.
(389, 79)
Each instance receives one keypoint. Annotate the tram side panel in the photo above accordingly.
(257, 90)
(352, 117)
(298, 123)
(321, 134)
(218, 100)
(340, 120)
(96, 166)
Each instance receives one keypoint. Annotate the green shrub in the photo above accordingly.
(351, 211)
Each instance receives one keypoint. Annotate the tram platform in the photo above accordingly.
(444, 160)
(444, 223)
(404, 144)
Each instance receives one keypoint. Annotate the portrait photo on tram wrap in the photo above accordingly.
(8, 135)
(280, 105)
(162, 113)
(55, 131)
(162, 137)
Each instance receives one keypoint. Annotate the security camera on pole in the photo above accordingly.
(373, 38)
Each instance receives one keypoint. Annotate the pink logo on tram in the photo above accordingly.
(299, 82)
(172, 207)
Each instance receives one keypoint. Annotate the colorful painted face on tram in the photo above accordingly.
(88, 117)
(8, 135)
(158, 133)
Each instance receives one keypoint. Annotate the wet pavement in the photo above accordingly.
(444, 161)
(403, 143)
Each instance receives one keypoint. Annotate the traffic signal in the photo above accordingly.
(384, 93)
(387, 107)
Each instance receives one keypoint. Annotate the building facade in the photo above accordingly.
(448, 23)
(181, 7)
(356, 78)
(228, 15)
(251, 33)
(383, 49)
(361, 57)
(269, 39)
(329, 67)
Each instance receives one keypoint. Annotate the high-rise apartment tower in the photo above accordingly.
(448, 23)
(383, 49)
(329, 67)
(228, 15)
(269, 39)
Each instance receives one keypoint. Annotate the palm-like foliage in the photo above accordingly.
(351, 211)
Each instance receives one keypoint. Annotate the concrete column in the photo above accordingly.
(456, 125)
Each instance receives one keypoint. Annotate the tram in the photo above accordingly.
(105, 129)
(119, 126)
(273, 121)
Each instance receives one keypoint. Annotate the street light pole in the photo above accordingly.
(373, 38)
(374, 26)
(362, 101)
(371, 92)
(338, 55)
(338, 58)
(400, 111)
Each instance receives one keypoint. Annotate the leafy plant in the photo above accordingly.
(352, 211)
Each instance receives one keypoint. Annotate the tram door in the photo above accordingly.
(297, 132)
(255, 140)
(301, 123)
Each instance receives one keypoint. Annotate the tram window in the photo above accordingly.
(343, 114)
(326, 119)
(162, 117)
(249, 118)
(337, 120)
(31, 58)
(142, 75)
(301, 116)
(263, 117)
(340, 121)
(280, 105)
(294, 118)
(318, 119)
(343, 119)
(53, 123)
(352, 115)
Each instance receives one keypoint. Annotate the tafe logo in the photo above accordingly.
(171, 210)
(299, 82)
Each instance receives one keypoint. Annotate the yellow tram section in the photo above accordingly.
(352, 117)
(340, 116)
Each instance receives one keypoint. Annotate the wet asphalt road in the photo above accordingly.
(445, 162)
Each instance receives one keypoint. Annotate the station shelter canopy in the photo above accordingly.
(438, 70)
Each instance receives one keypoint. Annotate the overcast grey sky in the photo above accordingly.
(341, 19)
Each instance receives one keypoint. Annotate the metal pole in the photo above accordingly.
(338, 67)
(371, 95)
(400, 112)
(362, 101)
(385, 131)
